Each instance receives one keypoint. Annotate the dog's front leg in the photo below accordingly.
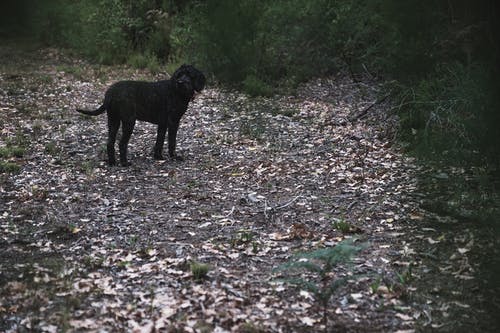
(160, 139)
(172, 139)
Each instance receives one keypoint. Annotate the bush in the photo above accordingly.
(108, 31)
(146, 60)
(451, 114)
(280, 43)
(254, 86)
(94, 28)
(222, 37)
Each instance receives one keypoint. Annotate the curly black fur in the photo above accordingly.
(162, 103)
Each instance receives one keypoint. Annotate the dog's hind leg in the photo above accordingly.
(113, 126)
(127, 129)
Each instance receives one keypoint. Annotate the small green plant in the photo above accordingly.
(342, 225)
(12, 151)
(19, 140)
(88, 167)
(322, 263)
(255, 247)
(375, 285)
(199, 270)
(37, 127)
(76, 71)
(4, 152)
(203, 327)
(249, 327)
(284, 111)
(15, 147)
(93, 263)
(245, 236)
(133, 239)
(45, 79)
(193, 184)
(9, 167)
(152, 295)
(406, 276)
(122, 264)
(242, 236)
(51, 148)
(18, 151)
(253, 128)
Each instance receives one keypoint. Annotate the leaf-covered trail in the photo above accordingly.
(89, 247)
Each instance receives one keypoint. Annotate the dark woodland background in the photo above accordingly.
(439, 60)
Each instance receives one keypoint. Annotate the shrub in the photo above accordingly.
(254, 86)
(12, 151)
(146, 60)
(451, 112)
(199, 270)
(283, 42)
(321, 263)
(105, 30)
(9, 167)
(224, 36)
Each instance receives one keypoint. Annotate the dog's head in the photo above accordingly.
(197, 78)
(184, 86)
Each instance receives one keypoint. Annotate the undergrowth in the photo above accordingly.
(317, 271)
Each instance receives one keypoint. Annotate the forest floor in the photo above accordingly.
(88, 247)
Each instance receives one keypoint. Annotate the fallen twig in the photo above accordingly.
(273, 209)
(351, 205)
(363, 112)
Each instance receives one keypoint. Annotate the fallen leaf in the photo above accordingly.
(432, 241)
(308, 321)
(404, 317)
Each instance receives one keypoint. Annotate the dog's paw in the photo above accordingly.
(176, 157)
(158, 157)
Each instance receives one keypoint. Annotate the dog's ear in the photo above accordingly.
(184, 87)
(182, 78)
(184, 81)
(180, 84)
(182, 70)
(200, 81)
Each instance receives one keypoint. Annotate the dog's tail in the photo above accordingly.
(97, 112)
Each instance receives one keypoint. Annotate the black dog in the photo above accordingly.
(162, 103)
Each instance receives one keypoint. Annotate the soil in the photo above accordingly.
(197, 245)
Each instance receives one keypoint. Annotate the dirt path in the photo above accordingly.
(88, 247)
